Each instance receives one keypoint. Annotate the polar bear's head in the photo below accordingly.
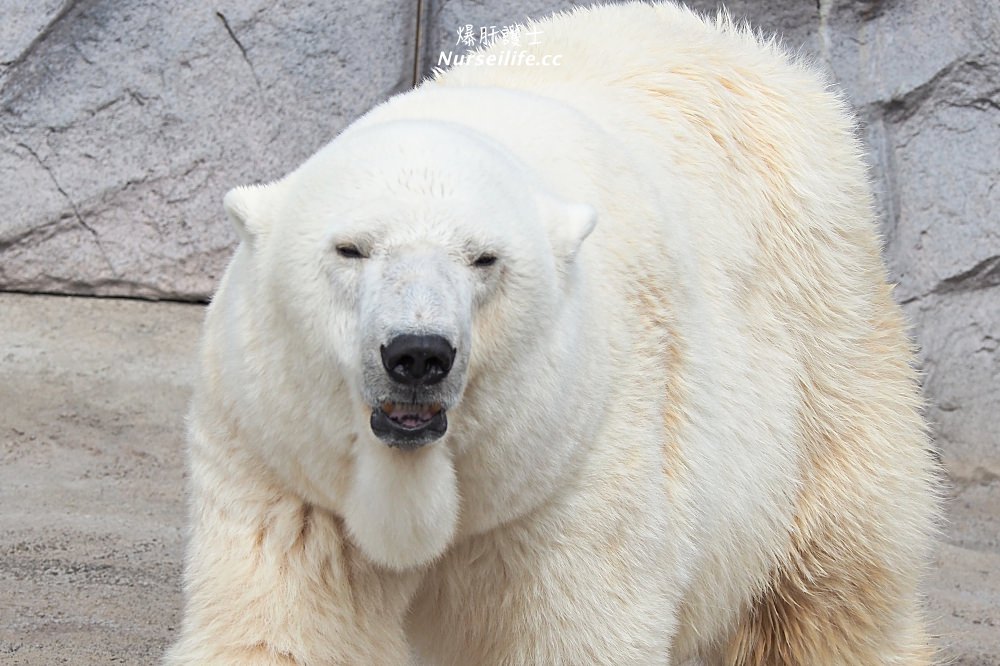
(412, 255)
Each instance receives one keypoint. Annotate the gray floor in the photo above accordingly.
(92, 397)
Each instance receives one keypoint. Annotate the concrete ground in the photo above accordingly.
(92, 400)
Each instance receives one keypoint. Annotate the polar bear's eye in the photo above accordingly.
(485, 260)
(350, 251)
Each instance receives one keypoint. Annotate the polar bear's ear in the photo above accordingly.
(245, 208)
(569, 226)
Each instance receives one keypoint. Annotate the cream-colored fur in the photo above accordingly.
(691, 437)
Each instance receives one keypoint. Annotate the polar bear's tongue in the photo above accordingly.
(410, 415)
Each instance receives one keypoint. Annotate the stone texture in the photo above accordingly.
(123, 124)
(22, 23)
(958, 334)
(925, 77)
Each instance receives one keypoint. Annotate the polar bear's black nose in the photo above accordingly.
(418, 360)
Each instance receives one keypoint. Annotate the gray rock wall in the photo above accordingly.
(124, 122)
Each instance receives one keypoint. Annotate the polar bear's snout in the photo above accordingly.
(419, 312)
(415, 362)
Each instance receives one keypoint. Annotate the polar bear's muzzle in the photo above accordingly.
(414, 363)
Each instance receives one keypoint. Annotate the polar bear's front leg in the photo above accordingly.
(273, 580)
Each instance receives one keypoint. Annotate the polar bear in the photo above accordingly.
(592, 363)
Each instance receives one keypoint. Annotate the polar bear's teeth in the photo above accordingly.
(409, 414)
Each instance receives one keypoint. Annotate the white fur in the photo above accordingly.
(402, 509)
(681, 402)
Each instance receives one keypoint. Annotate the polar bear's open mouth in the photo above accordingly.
(410, 415)
(408, 425)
